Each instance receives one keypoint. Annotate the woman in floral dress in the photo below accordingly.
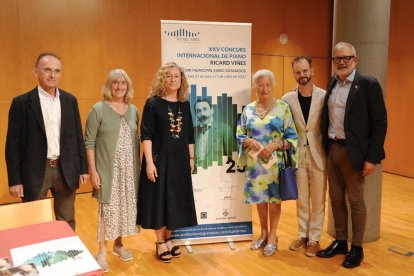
(112, 149)
(266, 128)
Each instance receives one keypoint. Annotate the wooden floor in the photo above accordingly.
(397, 229)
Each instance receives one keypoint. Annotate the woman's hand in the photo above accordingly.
(95, 180)
(251, 144)
(152, 172)
(267, 151)
(283, 145)
(192, 165)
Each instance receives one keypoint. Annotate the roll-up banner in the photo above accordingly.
(216, 58)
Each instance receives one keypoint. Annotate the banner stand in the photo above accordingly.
(216, 58)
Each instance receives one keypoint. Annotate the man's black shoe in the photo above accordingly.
(336, 247)
(354, 257)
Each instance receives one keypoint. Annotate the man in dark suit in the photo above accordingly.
(354, 125)
(45, 147)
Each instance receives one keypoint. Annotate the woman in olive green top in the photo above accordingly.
(112, 150)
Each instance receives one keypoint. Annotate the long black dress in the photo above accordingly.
(169, 201)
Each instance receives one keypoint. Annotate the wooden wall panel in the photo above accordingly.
(400, 97)
(307, 24)
(10, 56)
(41, 29)
(71, 29)
(94, 37)
(84, 73)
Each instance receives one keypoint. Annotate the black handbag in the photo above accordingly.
(287, 181)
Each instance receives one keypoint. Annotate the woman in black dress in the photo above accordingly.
(165, 197)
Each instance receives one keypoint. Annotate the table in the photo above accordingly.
(21, 236)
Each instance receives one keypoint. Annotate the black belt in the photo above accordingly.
(337, 141)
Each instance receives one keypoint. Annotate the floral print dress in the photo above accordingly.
(262, 185)
(119, 215)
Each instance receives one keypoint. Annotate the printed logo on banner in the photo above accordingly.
(183, 35)
(203, 215)
(226, 212)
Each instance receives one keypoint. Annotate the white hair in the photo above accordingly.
(263, 73)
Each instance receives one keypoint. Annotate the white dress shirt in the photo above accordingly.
(337, 105)
(52, 120)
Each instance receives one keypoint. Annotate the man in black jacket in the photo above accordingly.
(354, 125)
(44, 147)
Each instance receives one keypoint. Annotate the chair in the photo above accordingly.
(22, 214)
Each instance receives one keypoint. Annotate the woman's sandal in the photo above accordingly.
(174, 249)
(257, 244)
(270, 248)
(162, 256)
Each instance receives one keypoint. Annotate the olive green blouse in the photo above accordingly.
(102, 129)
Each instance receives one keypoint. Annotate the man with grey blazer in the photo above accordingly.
(306, 102)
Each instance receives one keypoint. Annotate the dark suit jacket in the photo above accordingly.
(26, 144)
(365, 121)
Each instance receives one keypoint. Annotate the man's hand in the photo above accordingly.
(369, 168)
(16, 190)
(83, 178)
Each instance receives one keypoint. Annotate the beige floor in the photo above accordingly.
(397, 229)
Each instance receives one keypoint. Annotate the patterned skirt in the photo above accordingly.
(119, 215)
